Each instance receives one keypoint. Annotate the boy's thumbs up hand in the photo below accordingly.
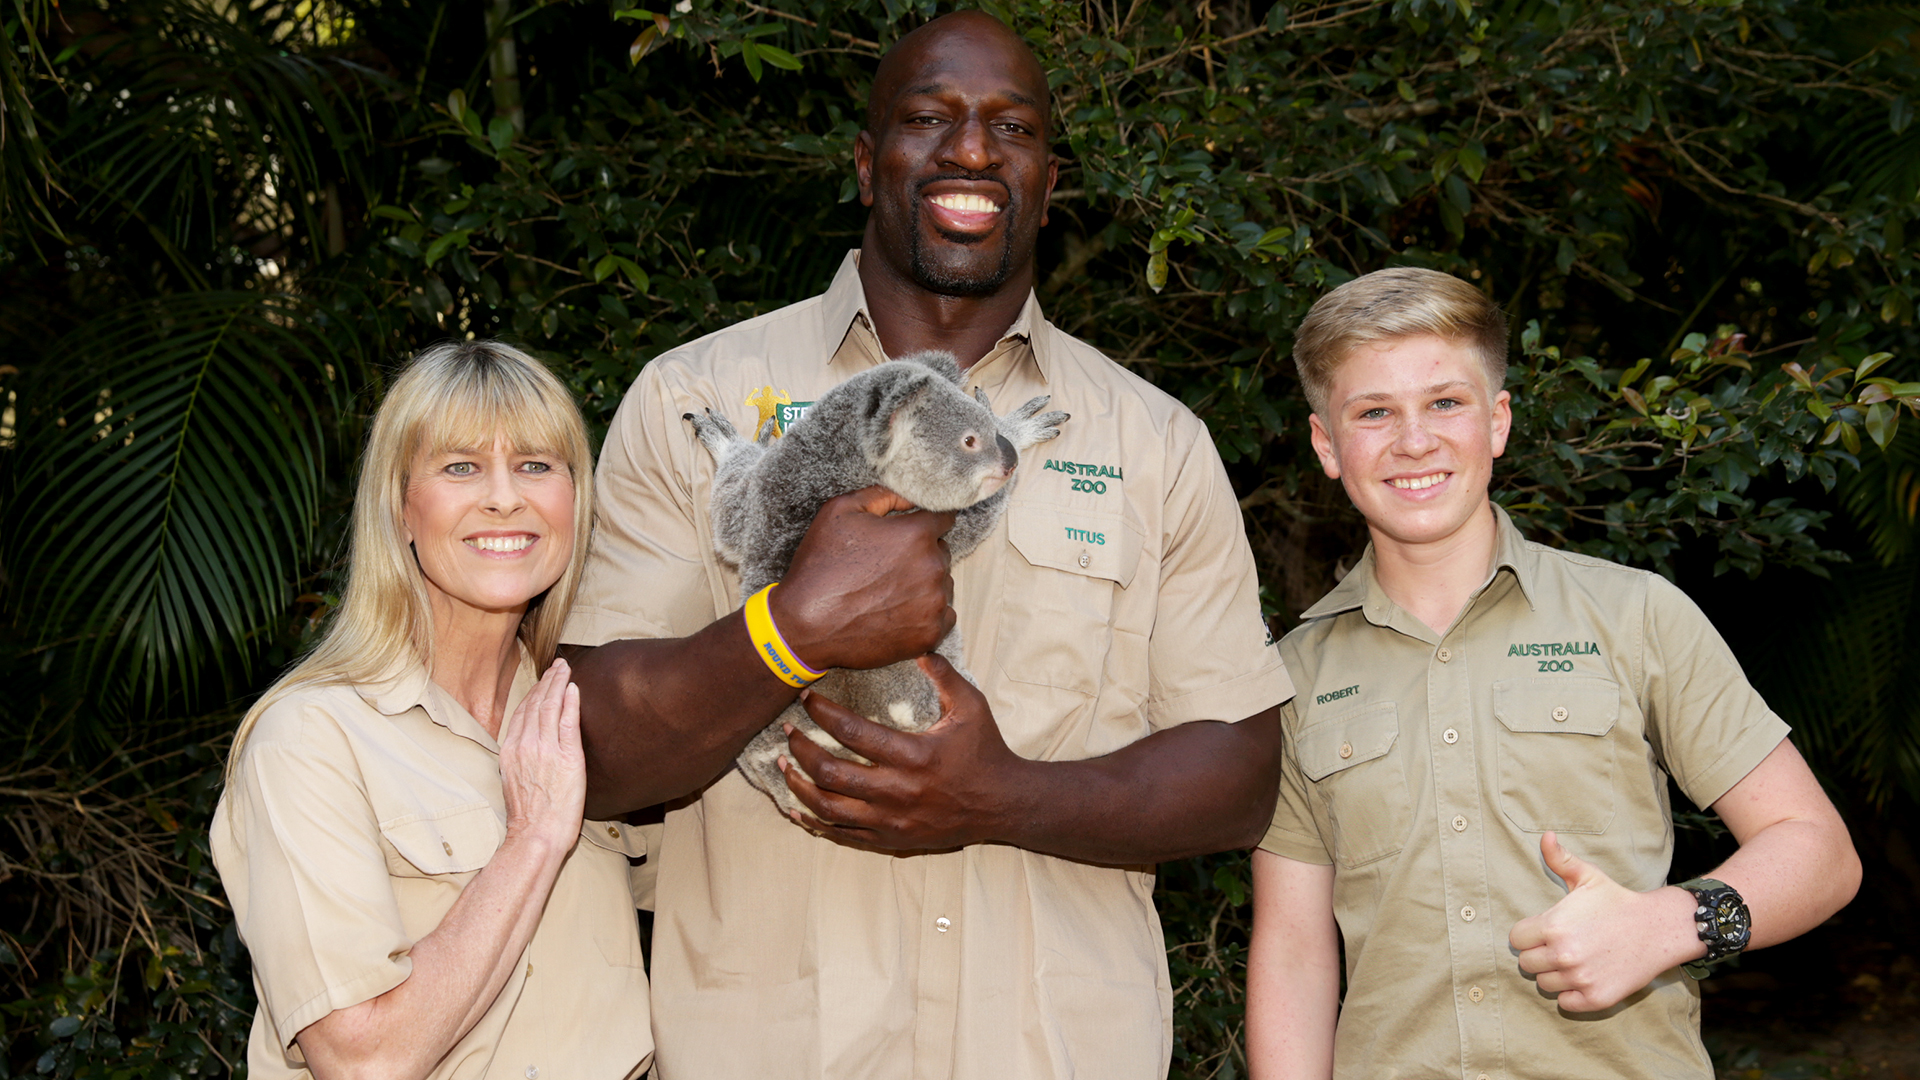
(1575, 871)
(1602, 942)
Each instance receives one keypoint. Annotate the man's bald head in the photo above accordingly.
(914, 54)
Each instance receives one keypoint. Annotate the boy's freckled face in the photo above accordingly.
(1411, 432)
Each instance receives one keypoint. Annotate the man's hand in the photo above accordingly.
(940, 788)
(865, 589)
(1602, 942)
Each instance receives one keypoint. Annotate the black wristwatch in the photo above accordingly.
(1722, 920)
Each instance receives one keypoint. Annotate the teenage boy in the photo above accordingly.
(1474, 796)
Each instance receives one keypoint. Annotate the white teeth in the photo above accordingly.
(500, 543)
(1419, 483)
(978, 204)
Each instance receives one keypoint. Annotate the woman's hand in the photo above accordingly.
(543, 773)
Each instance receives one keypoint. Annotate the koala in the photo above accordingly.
(905, 424)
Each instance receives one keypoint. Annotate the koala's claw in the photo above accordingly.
(714, 431)
(1023, 429)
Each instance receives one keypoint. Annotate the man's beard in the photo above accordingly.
(959, 282)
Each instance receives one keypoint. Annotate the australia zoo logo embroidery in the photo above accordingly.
(1086, 477)
(1553, 649)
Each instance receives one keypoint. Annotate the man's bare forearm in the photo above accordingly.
(661, 718)
(1189, 790)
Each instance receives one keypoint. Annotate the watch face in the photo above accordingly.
(1730, 918)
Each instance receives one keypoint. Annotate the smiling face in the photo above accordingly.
(955, 166)
(1411, 430)
(492, 527)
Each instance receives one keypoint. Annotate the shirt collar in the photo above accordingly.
(1361, 589)
(408, 684)
(844, 309)
(1512, 553)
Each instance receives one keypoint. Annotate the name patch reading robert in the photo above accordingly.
(1336, 695)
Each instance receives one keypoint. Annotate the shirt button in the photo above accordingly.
(1346, 749)
(1466, 913)
(533, 1072)
(447, 846)
(1450, 736)
(1483, 1076)
(1476, 995)
(613, 831)
(943, 924)
(529, 969)
(1445, 654)
(1460, 825)
(1086, 560)
(1560, 714)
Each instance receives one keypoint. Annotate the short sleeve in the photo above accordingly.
(298, 849)
(1211, 656)
(1709, 725)
(646, 575)
(1294, 833)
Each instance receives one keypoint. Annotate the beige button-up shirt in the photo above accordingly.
(1424, 768)
(1116, 598)
(355, 816)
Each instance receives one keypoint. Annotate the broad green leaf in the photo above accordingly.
(1882, 422)
(777, 56)
(500, 133)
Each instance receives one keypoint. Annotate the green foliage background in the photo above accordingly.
(223, 221)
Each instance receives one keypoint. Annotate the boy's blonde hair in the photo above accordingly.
(1400, 302)
(457, 394)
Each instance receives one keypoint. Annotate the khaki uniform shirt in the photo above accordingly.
(1425, 766)
(355, 816)
(1116, 598)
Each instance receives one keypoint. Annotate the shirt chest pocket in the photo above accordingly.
(1556, 750)
(1350, 761)
(1056, 614)
(457, 840)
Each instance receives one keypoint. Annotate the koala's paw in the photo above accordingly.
(715, 432)
(1023, 427)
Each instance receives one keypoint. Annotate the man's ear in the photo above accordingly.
(863, 165)
(1501, 421)
(1323, 446)
(1053, 177)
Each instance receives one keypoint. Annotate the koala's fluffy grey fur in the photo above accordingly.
(907, 425)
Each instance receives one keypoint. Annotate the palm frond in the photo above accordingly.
(1848, 680)
(168, 482)
(203, 128)
(1883, 496)
(26, 168)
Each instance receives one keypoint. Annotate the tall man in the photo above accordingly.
(980, 903)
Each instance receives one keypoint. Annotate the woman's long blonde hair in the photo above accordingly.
(456, 394)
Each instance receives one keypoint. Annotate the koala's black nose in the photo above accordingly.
(1009, 457)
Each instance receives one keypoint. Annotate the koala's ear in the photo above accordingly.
(883, 403)
(945, 363)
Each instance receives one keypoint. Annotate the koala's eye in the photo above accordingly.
(972, 441)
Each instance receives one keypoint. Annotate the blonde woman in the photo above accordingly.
(401, 832)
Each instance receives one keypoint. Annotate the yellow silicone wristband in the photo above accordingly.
(771, 646)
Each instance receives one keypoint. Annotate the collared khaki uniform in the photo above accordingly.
(355, 817)
(1116, 598)
(1424, 767)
